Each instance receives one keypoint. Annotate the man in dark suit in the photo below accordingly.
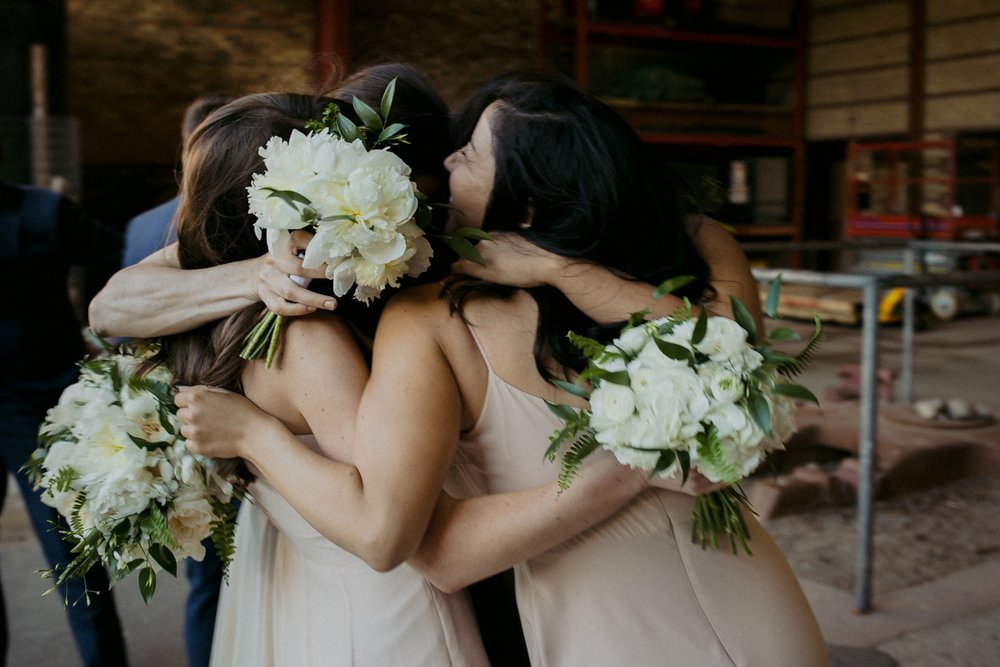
(43, 234)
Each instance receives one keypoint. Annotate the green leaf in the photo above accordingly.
(165, 557)
(672, 285)
(744, 319)
(147, 583)
(700, 327)
(637, 318)
(348, 130)
(392, 133)
(760, 411)
(463, 248)
(571, 388)
(784, 333)
(472, 232)
(563, 411)
(795, 391)
(367, 115)
(673, 350)
(387, 96)
(290, 197)
(773, 298)
(617, 377)
(665, 460)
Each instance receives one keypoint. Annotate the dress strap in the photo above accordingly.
(482, 350)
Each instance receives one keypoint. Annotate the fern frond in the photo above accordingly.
(581, 447)
(224, 533)
(805, 355)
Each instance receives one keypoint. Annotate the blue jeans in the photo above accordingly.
(96, 627)
(204, 579)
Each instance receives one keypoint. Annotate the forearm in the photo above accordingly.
(156, 297)
(471, 539)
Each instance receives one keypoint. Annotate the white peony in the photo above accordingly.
(361, 205)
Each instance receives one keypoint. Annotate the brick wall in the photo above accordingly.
(134, 66)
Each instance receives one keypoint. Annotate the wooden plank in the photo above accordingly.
(959, 39)
(964, 74)
(951, 10)
(859, 53)
(964, 112)
(870, 120)
(832, 304)
(859, 21)
(858, 87)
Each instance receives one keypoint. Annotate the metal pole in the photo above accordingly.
(866, 446)
(909, 317)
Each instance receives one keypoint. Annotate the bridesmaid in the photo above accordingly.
(457, 384)
(286, 580)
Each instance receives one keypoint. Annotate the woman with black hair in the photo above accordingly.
(458, 387)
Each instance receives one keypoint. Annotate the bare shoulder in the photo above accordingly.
(423, 303)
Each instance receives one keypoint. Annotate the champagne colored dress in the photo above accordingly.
(634, 590)
(295, 598)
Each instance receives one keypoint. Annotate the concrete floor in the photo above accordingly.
(952, 621)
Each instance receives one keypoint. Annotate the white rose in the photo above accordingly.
(611, 404)
(724, 339)
(632, 340)
(725, 385)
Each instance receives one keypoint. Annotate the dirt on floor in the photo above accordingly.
(918, 536)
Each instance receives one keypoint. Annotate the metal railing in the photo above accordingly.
(871, 286)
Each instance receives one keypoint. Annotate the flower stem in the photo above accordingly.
(721, 513)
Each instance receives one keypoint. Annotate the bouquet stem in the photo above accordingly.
(262, 341)
(720, 514)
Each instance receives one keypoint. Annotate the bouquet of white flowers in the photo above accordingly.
(368, 217)
(681, 393)
(112, 461)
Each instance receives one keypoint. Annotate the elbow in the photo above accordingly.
(444, 574)
(386, 547)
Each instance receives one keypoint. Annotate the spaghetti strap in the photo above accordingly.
(482, 350)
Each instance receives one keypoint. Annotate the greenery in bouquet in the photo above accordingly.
(112, 461)
(368, 219)
(685, 392)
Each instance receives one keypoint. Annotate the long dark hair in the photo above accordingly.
(214, 223)
(590, 188)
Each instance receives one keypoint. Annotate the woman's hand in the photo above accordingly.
(283, 294)
(696, 484)
(512, 260)
(218, 423)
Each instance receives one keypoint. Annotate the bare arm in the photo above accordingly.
(606, 296)
(156, 297)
